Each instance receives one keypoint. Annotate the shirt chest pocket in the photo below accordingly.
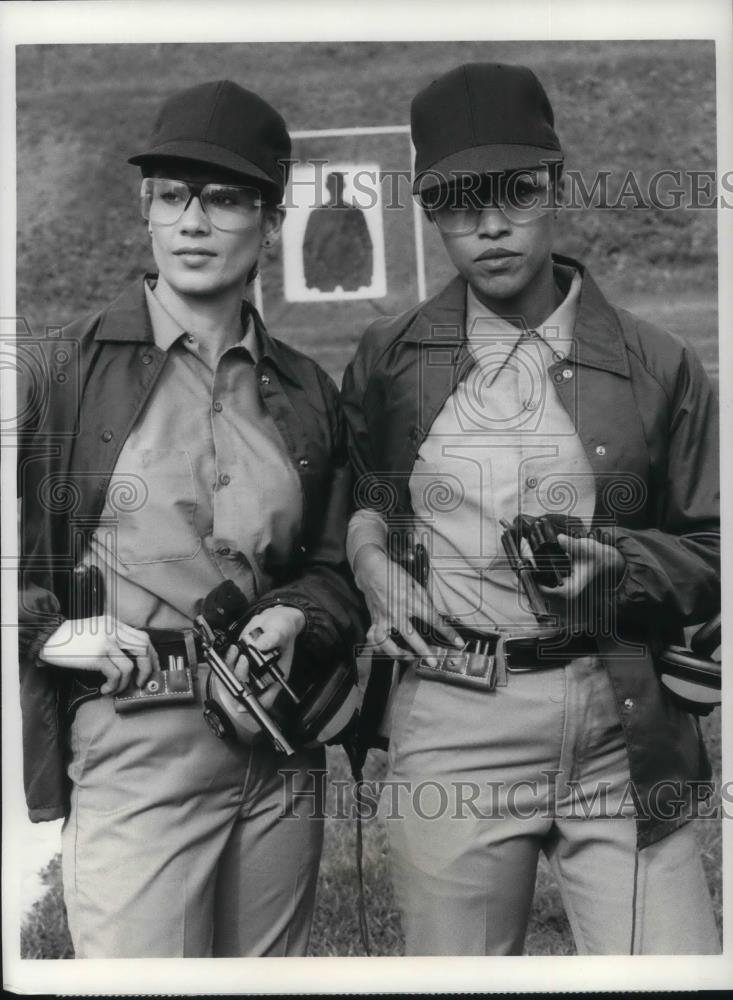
(152, 499)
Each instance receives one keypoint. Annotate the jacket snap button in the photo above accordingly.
(303, 549)
(224, 479)
(218, 406)
(61, 377)
(265, 379)
(629, 703)
(531, 482)
(153, 686)
(61, 357)
(600, 450)
(567, 373)
(303, 463)
(558, 377)
(107, 435)
(146, 359)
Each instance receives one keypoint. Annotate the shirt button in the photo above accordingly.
(567, 373)
(224, 550)
(303, 463)
(190, 338)
(107, 435)
(302, 549)
(600, 449)
(218, 406)
(265, 379)
(146, 359)
(629, 703)
(224, 479)
(531, 482)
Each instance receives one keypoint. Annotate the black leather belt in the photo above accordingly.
(486, 658)
(524, 653)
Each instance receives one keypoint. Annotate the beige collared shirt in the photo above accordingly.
(502, 444)
(203, 489)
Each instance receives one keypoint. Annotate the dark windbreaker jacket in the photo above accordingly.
(647, 418)
(80, 392)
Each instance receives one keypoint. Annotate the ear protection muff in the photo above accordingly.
(691, 675)
(327, 713)
(328, 708)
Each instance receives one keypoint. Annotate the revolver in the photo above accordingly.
(261, 666)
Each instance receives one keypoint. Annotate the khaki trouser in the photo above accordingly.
(493, 778)
(176, 845)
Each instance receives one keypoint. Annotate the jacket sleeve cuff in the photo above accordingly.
(39, 615)
(31, 647)
(365, 527)
(632, 588)
(318, 630)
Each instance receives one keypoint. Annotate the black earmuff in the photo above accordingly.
(691, 675)
(328, 711)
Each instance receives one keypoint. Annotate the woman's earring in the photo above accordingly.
(267, 241)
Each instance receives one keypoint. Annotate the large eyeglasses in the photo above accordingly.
(522, 196)
(230, 207)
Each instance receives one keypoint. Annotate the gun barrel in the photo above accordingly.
(241, 693)
(267, 663)
(279, 677)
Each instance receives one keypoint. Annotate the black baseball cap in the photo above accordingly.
(224, 125)
(481, 118)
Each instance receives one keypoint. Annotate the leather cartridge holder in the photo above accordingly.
(485, 660)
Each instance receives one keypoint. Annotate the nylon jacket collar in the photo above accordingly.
(597, 337)
(127, 320)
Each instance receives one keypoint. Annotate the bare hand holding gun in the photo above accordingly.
(274, 629)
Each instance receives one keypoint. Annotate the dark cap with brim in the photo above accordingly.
(481, 118)
(483, 160)
(220, 124)
(204, 153)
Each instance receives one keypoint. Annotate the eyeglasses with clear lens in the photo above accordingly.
(521, 196)
(230, 207)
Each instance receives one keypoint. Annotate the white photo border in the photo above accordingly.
(379, 20)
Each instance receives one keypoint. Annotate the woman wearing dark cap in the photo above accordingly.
(520, 390)
(198, 450)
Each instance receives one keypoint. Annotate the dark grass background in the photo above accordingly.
(619, 106)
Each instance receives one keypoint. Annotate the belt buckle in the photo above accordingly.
(550, 633)
(503, 654)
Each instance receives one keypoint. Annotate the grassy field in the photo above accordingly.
(619, 106)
